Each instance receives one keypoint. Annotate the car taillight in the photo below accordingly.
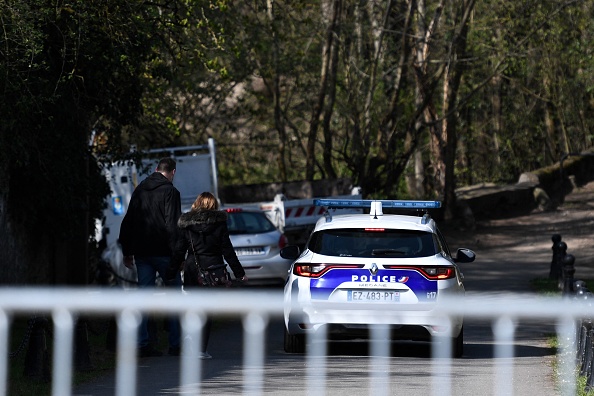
(438, 272)
(233, 210)
(282, 241)
(317, 270)
(432, 273)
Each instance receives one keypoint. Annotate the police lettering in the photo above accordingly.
(373, 278)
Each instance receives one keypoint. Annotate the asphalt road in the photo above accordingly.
(510, 253)
(350, 369)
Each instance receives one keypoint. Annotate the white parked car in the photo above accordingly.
(257, 243)
(364, 269)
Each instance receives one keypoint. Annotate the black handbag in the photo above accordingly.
(213, 276)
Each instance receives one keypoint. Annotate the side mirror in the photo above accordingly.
(464, 256)
(290, 252)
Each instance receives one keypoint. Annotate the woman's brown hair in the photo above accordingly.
(205, 201)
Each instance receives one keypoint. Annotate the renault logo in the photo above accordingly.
(373, 269)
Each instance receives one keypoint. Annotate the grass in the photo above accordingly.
(18, 382)
(545, 286)
(38, 380)
(33, 376)
(549, 287)
(581, 387)
(102, 360)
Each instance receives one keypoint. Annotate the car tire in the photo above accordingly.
(294, 343)
(458, 345)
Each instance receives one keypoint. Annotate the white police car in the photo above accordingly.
(358, 270)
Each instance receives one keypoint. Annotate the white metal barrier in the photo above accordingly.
(256, 308)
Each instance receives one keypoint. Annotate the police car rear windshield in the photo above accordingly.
(373, 243)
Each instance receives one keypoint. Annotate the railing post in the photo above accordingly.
(559, 249)
(568, 272)
(584, 351)
(587, 365)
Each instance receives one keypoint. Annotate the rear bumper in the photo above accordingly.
(353, 319)
(397, 332)
(272, 270)
(406, 324)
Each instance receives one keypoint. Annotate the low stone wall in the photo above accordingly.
(559, 179)
(544, 188)
(492, 201)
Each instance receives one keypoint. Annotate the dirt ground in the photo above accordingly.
(513, 251)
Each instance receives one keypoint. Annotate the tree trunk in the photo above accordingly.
(333, 6)
(329, 108)
(497, 117)
(278, 118)
(452, 85)
(425, 103)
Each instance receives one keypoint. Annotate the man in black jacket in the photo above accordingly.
(148, 236)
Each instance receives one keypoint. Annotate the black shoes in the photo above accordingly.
(149, 351)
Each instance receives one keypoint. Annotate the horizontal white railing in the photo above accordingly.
(256, 307)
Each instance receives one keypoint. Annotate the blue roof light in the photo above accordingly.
(366, 203)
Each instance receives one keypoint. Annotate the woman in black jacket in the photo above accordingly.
(203, 235)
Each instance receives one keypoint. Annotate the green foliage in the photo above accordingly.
(20, 384)
(43, 146)
(526, 51)
(545, 286)
(249, 75)
(67, 70)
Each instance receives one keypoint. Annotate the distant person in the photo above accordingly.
(148, 235)
(204, 237)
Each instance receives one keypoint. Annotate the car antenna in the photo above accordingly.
(426, 217)
(376, 209)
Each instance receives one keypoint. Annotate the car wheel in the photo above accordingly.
(294, 343)
(458, 344)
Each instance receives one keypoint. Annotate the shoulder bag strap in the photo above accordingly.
(195, 256)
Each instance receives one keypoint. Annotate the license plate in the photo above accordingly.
(373, 295)
(249, 251)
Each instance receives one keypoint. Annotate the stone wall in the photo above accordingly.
(543, 189)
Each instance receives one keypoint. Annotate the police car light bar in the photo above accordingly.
(366, 203)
